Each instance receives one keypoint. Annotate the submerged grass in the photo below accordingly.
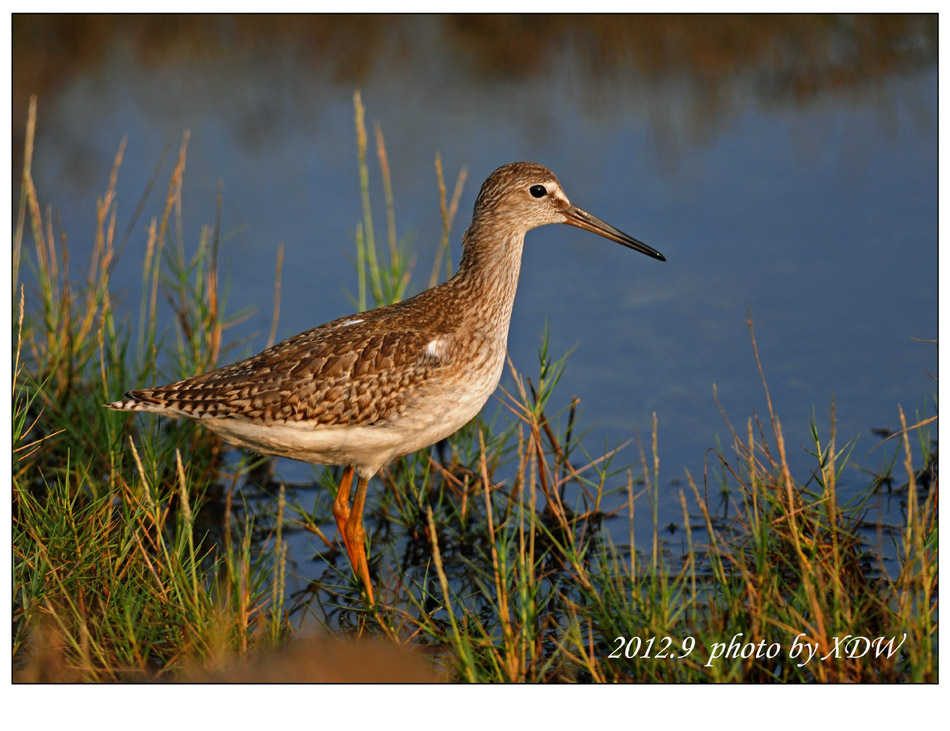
(148, 549)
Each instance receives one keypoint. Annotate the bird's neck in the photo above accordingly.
(488, 275)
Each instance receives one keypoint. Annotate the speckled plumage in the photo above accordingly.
(358, 370)
(366, 388)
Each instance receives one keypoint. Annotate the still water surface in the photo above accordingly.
(784, 166)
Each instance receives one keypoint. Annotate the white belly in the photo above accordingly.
(433, 417)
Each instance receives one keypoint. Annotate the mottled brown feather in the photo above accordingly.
(335, 374)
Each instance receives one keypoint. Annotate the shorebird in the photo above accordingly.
(368, 388)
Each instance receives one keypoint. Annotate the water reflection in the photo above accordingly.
(725, 62)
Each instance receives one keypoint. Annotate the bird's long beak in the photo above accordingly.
(574, 216)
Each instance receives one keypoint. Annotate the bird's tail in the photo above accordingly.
(140, 401)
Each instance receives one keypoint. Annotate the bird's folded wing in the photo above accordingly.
(345, 372)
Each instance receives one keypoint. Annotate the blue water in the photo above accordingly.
(816, 214)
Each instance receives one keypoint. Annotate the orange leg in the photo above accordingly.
(341, 506)
(356, 537)
(350, 523)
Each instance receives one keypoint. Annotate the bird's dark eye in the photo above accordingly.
(538, 191)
